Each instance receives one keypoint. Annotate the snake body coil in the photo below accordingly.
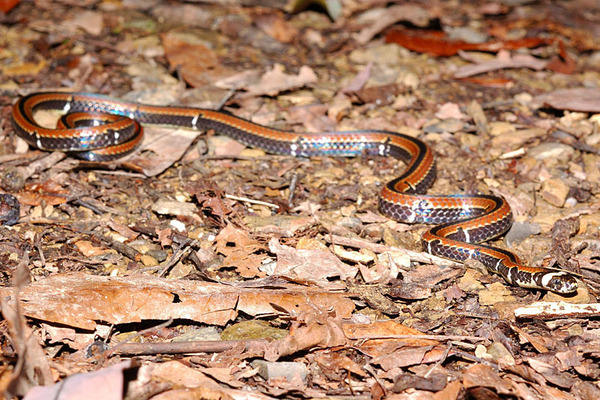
(100, 128)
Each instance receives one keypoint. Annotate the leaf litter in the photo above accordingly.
(264, 276)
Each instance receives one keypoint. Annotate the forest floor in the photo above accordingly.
(198, 267)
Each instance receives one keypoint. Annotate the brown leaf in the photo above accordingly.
(161, 148)
(106, 384)
(276, 80)
(231, 240)
(35, 369)
(503, 60)
(310, 265)
(49, 192)
(88, 249)
(579, 99)
(314, 334)
(210, 197)
(436, 43)
(198, 65)
(401, 357)
(277, 27)
(79, 300)
(484, 376)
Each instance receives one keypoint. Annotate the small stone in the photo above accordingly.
(12, 179)
(158, 254)
(352, 223)
(520, 231)
(167, 207)
(451, 125)
(363, 257)
(555, 192)
(500, 354)
(514, 139)
(385, 54)
(148, 261)
(523, 99)
(287, 370)
(557, 152)
(498, 128)
(251, 330)
(591, 163)
(198, 333)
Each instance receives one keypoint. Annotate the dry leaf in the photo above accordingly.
(276, 80)
(79, 300)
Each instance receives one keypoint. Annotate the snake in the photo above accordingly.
(99, 128)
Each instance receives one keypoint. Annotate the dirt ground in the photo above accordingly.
(198, 267)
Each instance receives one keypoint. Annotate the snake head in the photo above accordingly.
(559, 282)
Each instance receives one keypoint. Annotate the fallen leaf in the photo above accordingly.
(79, 300)
(376, 20)
(90, 21)
(49, 193)
(436, 43)
(309, 265)
(167, 146)
(503, 60)
(7, 5)
(479, 375)
(239, 251)
(105, 384)
(276, 80)
(199, 66)
(578, 99)
(88, 249)
(277, 27)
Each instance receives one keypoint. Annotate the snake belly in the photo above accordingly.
(101, 128)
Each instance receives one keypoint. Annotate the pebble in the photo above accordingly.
(498, 128)
(167, 207)
(521, 231)
(450, 125)
(198, 333)
(252, 329)
(148, 261)
(352, 223)
(515, 138)
(555, 192)
(558, 152)
(390, 54)
(283, 369)
(10, 209)
(363, 256)
(12, 179)
(500, 354)
(591, 163)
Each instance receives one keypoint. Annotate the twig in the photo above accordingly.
(182, 250)
(428, 337)
(440, 361)
(203, 346)
(381, 248)
(293, 184)
(546, 309)
(226, 98)
(251, 201)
